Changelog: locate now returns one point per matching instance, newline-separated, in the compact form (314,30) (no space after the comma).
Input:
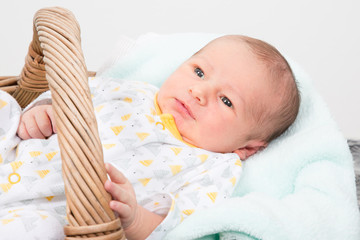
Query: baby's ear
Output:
(252,147)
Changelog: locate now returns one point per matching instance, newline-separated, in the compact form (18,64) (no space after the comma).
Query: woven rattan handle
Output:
(57,39)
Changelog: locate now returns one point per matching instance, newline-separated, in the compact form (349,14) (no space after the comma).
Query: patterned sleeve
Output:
(10,113)
(206,188)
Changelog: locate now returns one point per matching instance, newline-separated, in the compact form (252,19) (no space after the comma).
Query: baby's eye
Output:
(199,72)
(226,101)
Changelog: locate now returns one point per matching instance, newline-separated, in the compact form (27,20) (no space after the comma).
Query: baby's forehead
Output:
(220,43)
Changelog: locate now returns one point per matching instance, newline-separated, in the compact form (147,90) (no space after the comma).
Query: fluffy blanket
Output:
(302,186)
(355,151)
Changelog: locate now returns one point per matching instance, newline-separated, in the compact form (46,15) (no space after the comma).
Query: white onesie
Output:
(170,177)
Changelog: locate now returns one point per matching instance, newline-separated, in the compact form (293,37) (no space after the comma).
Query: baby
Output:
(225,103)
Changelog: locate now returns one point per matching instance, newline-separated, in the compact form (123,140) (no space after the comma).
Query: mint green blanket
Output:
(300,187)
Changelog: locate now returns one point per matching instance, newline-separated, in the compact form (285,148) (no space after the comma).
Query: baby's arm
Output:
(137,222)
(37,122)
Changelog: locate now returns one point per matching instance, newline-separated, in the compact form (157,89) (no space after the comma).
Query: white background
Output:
(323,36)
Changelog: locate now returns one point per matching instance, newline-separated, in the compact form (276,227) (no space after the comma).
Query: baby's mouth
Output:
(184,108)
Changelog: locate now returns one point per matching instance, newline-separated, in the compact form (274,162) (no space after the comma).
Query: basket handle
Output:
(57,51)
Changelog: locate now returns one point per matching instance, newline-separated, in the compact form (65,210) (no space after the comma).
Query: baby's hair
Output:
(272,122)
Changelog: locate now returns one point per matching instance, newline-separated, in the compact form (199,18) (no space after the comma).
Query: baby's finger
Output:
(117,192)
(122,209)
(32,128)
(44,123)
(50,113)
(115,175)
(22,132)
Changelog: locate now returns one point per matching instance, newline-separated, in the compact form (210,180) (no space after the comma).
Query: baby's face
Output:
(211,95)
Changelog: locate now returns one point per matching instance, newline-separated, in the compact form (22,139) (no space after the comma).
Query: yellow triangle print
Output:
(5,186)
(49,198)
(127,99)
(181,218)
(35,153)
(42,173)
(150,119)
(116,89)
(144,181)
(212,196)
(203,157)
(126,117)
(15,210)
(15,165)
(109,145)
(146,163)
(1,159)
(117,129)
(50,155)
(233,181)
(172,207)
(98,108)
(43,216)
(176,150)
(153,111)
(188,212)
(140,90)
(185,184)
(142,136)
(175,169)
(2,103)
(6,221)
(238,163)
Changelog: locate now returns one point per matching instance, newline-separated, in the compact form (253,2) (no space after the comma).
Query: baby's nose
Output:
(199,94)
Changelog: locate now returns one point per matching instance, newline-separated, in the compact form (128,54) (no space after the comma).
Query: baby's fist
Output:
(37,122)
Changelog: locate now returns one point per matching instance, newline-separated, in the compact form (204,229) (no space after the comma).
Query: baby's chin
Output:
(187,140)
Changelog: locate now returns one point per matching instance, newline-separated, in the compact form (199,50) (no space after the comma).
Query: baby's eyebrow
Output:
(204,62)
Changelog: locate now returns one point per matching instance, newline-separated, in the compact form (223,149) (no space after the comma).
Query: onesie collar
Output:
(169,122)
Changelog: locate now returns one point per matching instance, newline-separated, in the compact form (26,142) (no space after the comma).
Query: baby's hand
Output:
(138,222)
(37,122)
(124,199)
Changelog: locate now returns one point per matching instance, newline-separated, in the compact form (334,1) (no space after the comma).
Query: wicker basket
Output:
(55,61)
